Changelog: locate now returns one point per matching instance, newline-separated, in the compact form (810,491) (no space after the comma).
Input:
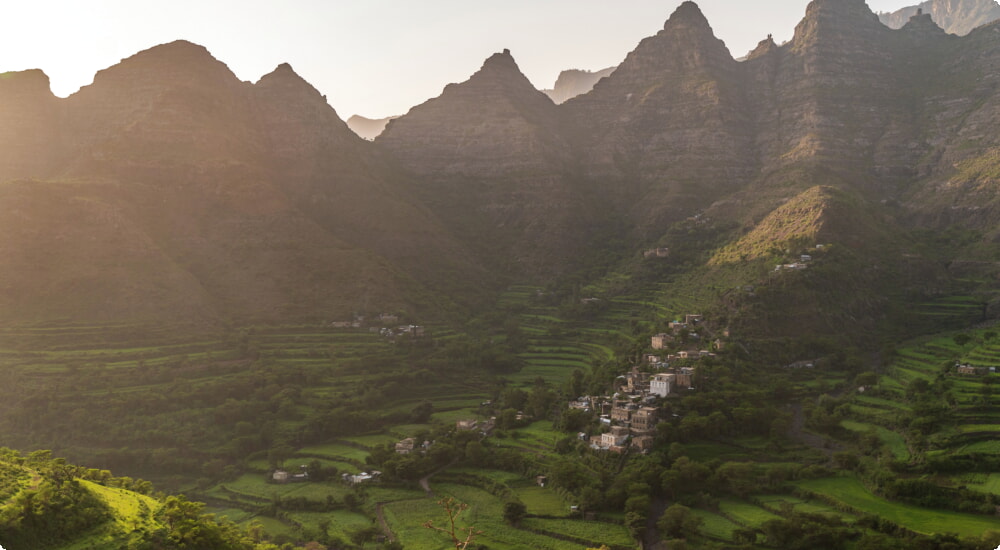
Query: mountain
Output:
(669,128)
(681,129)
(368,128)
(575,82)
(954,16)
(491,158)
(169,191)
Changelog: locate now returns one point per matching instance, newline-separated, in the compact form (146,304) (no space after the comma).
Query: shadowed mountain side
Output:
(29,132)
(492,162)
(669,128)
(228,201)
(348,187)
(133,253)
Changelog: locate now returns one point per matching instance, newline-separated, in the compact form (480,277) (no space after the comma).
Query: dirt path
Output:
(381,521)
(425,482)
(818,442)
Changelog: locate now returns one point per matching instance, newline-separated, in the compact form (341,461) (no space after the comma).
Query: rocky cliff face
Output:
(954,16)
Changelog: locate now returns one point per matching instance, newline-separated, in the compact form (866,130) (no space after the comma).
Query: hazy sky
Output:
(369,57)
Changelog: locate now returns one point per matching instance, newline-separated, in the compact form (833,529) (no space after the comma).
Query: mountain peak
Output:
(688,13)
(832,20)
(175,63)
(922,22)
(503,61)
(763,48)
(286,75)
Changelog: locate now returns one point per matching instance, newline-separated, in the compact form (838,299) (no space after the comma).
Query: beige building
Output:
(644,419)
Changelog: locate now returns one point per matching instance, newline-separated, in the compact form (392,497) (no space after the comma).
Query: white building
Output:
(661,383)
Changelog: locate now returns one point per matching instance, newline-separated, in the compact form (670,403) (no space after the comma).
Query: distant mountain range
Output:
(954,16)
(368,128)
(168,190)
(575,82)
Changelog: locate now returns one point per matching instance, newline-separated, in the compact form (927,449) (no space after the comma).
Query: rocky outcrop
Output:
(575,82)
(954,16)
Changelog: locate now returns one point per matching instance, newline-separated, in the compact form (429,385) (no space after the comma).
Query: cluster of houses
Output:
(402,331)
(382,325)
(363,477)
(629,414)
(409,446)
(972,370)
(684,338)
(656,253)
(284,476)
(803,262)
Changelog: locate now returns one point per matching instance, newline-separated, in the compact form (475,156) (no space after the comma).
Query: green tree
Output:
(678,521)
(513,511)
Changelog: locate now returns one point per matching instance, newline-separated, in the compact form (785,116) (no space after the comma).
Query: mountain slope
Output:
(175,192)
(490,159)
(669,128)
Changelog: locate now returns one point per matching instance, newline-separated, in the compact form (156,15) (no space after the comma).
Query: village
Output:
(630,415)
(627,418)
(383,325)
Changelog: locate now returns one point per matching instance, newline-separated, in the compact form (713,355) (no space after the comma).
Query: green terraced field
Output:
(715,526)
(780,502)
(745,513)
(542,501)
(335,451)
(890,438)
(595,533)
(851,492)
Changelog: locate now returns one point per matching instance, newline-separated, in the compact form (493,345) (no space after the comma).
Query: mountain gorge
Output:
(170,190)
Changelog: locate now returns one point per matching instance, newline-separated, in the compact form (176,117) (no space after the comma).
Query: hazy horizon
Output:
(377,58)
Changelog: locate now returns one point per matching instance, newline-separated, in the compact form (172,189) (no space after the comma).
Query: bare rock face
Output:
(828,94)
(575,82)
(492,161)
(30,141)
(954,16)
(459,131)
(670,125)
